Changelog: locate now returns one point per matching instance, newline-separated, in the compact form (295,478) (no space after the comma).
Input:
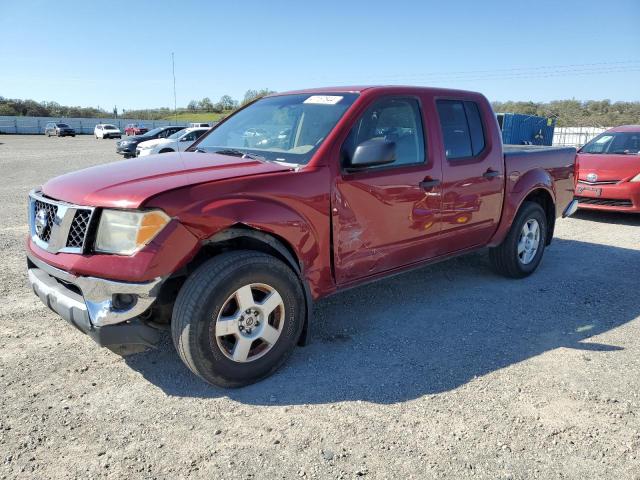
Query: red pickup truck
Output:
(292,198)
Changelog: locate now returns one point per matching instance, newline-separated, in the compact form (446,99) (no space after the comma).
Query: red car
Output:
(294,197)
(135,129)
(609,171)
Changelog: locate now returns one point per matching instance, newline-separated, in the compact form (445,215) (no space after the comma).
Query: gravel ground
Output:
(446,372)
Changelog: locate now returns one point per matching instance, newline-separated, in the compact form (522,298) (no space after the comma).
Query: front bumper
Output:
(144,152)
(619,197)
(126,149)
(95,306)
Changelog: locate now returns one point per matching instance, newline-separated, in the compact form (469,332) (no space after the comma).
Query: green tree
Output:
(251,95)
(227,103)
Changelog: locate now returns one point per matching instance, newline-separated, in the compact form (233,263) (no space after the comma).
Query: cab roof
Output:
(626,128)
(379,88)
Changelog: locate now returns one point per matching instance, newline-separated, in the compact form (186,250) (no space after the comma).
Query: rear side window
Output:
(462,129)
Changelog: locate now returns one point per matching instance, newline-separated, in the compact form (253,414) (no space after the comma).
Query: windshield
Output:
(285,128)
(63,125)
(110,127)
(152,133)
(622,143)
(178,134)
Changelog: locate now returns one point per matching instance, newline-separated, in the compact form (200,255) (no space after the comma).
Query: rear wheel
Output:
(238,317)
(521,251)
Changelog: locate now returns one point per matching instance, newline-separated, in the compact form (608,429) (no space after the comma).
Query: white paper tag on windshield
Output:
(323,99)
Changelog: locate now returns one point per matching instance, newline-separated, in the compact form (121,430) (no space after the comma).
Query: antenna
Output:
(173,69)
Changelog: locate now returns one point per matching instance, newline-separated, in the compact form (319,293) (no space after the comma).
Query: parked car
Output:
(59,130)
(127,146)
(135,129)
(178,142)
(609,171)
(230,243)
(196,125)
(106,130)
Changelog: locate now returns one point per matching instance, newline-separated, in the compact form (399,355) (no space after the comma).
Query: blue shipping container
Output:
(519,129)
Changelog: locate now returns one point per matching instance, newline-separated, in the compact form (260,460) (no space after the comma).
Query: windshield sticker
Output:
(323,99)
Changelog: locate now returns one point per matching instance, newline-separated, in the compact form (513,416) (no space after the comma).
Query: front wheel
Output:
(238,317)
(521,251)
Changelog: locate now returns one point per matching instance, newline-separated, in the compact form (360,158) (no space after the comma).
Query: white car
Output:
(106,130)
(178,142)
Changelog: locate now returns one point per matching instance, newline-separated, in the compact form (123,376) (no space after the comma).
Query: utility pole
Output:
(175,104)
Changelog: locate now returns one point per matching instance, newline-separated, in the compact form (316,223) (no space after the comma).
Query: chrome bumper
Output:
(101,302)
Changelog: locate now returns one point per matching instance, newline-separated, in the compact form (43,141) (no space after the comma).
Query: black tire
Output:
(203,296)
(166,150)
(505,259)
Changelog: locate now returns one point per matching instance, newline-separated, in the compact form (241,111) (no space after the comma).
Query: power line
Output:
(600,68)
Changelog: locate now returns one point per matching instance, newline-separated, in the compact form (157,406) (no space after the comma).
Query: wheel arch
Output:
(245,237)
(535,185)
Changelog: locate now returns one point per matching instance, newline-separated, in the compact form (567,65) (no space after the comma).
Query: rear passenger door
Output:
(472,172)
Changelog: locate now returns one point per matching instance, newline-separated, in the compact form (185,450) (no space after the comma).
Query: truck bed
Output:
(555,167)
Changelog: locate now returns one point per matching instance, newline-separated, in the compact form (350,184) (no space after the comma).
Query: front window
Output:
(154,132)
(177,135)
(620,143)
(283,128)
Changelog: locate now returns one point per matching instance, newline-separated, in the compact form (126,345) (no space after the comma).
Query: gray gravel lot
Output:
(445,372)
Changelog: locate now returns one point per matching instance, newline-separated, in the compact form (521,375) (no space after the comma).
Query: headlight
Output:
(125,232)
(636,178)
(125,142)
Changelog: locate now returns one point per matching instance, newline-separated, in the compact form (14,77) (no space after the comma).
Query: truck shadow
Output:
(435,329)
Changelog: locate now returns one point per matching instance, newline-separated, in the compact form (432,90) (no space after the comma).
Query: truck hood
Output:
(608,167)
(128,183)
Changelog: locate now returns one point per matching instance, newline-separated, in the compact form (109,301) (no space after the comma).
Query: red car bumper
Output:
(619,197)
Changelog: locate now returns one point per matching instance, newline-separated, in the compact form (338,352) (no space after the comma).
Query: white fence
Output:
(575,136)
(34,125)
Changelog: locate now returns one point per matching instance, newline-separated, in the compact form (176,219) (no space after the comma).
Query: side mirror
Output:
(373,152)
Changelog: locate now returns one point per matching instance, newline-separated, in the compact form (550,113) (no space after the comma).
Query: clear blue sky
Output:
(119,53)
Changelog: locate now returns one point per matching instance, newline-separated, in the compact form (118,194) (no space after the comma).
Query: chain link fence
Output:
(575,136)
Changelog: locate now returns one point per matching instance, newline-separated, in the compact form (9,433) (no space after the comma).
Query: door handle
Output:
(429,184)
(490,173)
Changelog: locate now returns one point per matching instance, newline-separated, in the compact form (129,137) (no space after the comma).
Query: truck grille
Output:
(50,210)
(79,228)
(607,202)
(58,226)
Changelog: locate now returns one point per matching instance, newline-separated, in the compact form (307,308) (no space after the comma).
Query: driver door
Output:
(387,216)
